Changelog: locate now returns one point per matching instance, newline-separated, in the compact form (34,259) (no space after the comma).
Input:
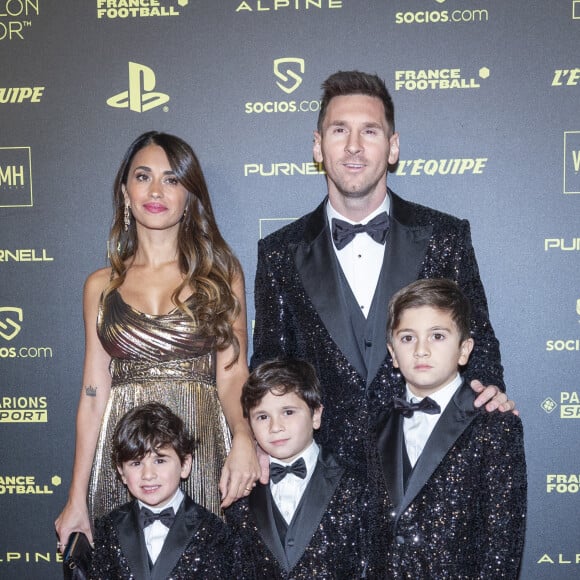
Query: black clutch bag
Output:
(77,557)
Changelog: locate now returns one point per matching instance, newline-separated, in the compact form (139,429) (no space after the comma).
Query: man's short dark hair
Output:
(354,82)
(147,428)
(439,293)
(279,377)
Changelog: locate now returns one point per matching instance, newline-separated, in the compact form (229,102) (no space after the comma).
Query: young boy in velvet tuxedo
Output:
(451,480)
(162,533)
(309,521)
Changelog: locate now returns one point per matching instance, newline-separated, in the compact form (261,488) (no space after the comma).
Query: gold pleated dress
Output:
(159,358)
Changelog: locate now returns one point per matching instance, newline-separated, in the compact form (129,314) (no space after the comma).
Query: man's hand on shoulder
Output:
(491,398)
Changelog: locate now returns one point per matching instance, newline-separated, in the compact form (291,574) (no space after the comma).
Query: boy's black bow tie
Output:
(278,472)
(407,409)
(147,517)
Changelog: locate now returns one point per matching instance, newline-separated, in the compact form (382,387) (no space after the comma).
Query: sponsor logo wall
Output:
(486,101)
(17,17)
(15,177)
(140,96)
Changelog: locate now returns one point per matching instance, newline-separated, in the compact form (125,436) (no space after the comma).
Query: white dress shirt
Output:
(418,428)
(288,492)
(362,259)
(156,533)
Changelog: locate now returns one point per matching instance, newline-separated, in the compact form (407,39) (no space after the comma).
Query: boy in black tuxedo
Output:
(162,533)
(309,521)
(455,477)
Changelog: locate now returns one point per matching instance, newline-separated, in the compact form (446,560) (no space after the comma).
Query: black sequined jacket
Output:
(198,545)
(327,538)
(300,312)
(461,513)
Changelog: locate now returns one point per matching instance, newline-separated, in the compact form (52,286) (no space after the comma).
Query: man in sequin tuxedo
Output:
(310,520)
(322,287)
(450,480)
(162,533)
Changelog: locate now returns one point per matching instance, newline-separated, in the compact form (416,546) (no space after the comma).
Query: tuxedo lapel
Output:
(186,522)
(319,271)
(313,505)
(390,441)
(132,542)
(260,505)
(455,419)
(406,248)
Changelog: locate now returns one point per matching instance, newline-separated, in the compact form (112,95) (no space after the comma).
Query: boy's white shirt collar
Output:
(174,502)
(442,396)
(418,428)
(288,492)
(310,456)
(156,533)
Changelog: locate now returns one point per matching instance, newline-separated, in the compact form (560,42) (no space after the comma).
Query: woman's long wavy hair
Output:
(205,259)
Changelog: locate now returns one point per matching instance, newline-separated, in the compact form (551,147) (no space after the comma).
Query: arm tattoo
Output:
(90,391)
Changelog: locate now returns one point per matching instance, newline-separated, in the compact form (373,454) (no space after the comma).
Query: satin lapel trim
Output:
(459,413)
(318,267)
(260,505)
(390,443)
(186,522)
(312,507)
(132,543)
(404,255)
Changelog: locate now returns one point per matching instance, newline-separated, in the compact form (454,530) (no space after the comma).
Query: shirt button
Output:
(400,540)
(368,343)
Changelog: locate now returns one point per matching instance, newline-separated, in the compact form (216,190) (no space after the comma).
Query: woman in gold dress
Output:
(166,322)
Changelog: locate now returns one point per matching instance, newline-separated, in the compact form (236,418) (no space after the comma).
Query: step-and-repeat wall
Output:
(487,98)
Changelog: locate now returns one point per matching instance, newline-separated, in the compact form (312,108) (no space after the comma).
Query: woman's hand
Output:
(73,518)
(241,469)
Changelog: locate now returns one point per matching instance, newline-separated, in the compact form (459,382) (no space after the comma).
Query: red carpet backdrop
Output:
(487,98)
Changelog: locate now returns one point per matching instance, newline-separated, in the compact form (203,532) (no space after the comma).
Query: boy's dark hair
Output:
(439,293)
(354,82)
(146,428)
(279,377)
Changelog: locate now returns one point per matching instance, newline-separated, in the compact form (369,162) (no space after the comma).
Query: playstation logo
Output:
(140,97)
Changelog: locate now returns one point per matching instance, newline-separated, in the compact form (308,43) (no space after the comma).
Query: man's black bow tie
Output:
(343,232)
(147,517)
(279,472)
(407,409)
